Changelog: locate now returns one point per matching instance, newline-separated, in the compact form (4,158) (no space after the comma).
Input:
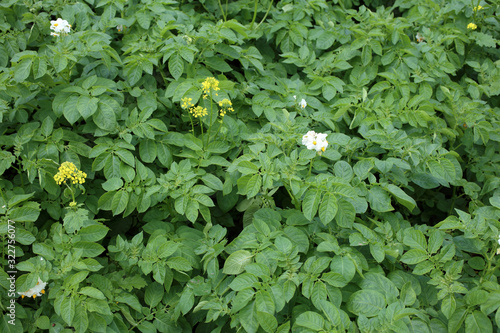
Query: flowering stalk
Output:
(69,171)
(210,121)
(209,86)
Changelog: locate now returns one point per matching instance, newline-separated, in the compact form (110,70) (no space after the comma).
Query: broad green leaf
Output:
(311,320)
(310,203)
(236,262)
(112,184)
(267,321)
(328,208)
(415,239)
(22,69)
(414,256)
(27,213)
(147,150)
(401,197)
(68,309)
(366,302)
(379,199)
(120,201)
(345,214)
(92,292)
(176,65)
(93,233)
(478,322)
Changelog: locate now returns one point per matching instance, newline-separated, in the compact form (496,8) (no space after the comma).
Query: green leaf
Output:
(120,201)
(414,256)
(236,262)
(92,292)
(218,64)
(311,320)
(310,203)
(70,110)
(154,294)
(147,151)
(87,106)
(328,208)
(176,65)
(93,233)
(186,301)
(112,184)
(179,264)
(345,214)
(105,117)
(27,213)
(366,302)
(89,249)
(243,281)
(22,69)
(478,322)
(379,199)
(267,321)
(415,239)
(68,309)
(401,197)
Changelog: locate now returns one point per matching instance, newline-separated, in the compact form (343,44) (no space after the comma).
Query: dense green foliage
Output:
(229,224)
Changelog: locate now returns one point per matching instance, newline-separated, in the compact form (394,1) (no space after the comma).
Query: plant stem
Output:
(210,121)
(310,167)
(265,15)
(256,2)
(222,10)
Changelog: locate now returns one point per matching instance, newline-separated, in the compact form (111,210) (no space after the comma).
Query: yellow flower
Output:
(186,103)
(210,84)
(198,111)
(68,170)
(225,106)
(472,26)
(478,8)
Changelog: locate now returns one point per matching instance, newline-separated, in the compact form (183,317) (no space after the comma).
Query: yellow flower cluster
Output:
(210,84)
(186,103)
(225,106)
(472,26)
(478,8)
(68,170)
(198,111)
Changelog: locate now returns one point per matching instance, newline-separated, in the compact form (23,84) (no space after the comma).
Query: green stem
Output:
(71,190)
(222,11)
(310,167)
(296,202)
(192,124)
(265,15)
(202,138)
(254,13)
(210,121)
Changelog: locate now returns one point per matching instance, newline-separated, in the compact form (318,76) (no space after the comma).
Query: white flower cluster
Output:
(315,141)
(302,103)
(59,26)
(37,290)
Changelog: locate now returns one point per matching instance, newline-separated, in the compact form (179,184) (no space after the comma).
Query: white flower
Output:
(294,96)
(54,34)
(315,141)
(303,103)
(119,27)
(420,38)
(37,290)
(59,26)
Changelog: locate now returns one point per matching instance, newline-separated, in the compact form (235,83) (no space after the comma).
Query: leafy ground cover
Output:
(249,166)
